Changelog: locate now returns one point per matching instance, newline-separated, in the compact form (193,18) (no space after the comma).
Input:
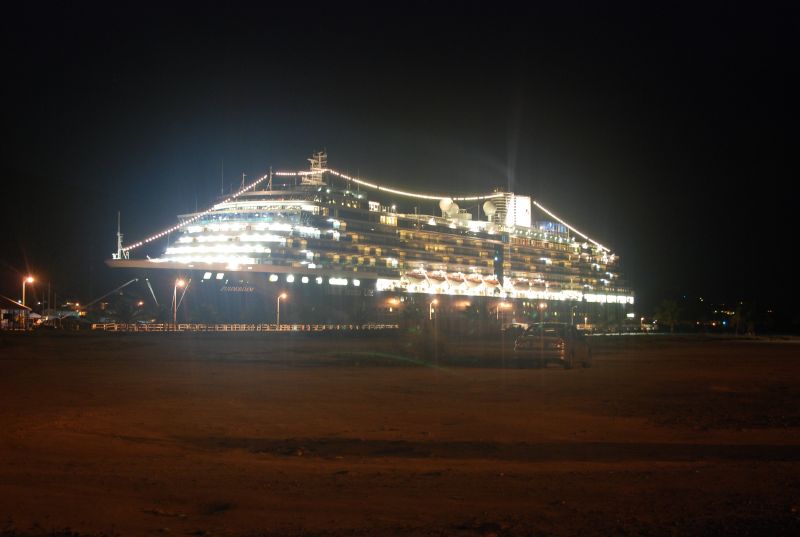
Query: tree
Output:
(668,313)
(743,318)
(411,316)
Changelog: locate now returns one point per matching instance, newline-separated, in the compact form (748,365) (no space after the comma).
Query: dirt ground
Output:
(231,434)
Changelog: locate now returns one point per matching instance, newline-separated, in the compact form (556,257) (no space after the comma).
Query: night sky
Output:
(667,133)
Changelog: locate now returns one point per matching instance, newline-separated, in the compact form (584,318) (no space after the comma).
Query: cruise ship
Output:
(346,248)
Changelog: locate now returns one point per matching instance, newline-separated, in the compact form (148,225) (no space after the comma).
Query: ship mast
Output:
(319,163)
(121,254)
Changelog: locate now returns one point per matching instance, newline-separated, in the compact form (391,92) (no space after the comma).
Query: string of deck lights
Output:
(430,197)
(194,218)
(560,221)
(354,180)
(387,189)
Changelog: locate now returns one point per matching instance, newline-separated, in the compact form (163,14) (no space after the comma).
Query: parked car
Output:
(513,330)
(558,343)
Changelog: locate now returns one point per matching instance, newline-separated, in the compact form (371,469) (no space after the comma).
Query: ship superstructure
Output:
(322,227)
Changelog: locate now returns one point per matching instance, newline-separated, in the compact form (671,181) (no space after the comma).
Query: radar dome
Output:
(489,208)
(453,209)
(445,203)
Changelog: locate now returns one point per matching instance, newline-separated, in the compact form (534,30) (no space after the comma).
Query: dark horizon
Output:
(664,135)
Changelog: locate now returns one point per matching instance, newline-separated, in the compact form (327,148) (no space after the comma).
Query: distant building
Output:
(12,314)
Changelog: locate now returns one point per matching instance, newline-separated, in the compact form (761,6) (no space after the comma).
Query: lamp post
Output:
(25,281)
(278,311)
(501,306)
(178,283)
(542,308)
(393,304)
(431,310)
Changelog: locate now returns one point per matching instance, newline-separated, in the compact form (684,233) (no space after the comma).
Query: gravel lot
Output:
(252,434)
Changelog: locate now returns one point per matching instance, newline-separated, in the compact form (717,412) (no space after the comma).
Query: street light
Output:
(278,311)
(25,281)
(542,307)
(431,310)
(501,305)
(178,283)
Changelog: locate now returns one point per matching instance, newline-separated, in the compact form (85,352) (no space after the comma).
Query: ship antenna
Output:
(121,254)
(269,184)
(222,179)
(319,162)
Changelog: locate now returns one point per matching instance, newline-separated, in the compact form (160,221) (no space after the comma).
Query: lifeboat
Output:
(474,280)
(417,275)
(437,276)
(553,287)
(521,284)
(491,281)
(455,278)
(538,286)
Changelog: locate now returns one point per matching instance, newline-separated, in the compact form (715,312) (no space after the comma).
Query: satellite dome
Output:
(453,209)
(445,203)
(489,208)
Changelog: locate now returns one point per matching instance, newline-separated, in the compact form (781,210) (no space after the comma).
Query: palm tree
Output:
(668,313)
(743,318)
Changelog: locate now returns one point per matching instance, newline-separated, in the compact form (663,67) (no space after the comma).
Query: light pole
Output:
(25,281)
(431,311)
(178,283)
(501,306)
(542,308)
(278,311)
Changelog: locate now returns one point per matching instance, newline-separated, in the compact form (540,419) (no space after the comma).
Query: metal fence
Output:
(194,327)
